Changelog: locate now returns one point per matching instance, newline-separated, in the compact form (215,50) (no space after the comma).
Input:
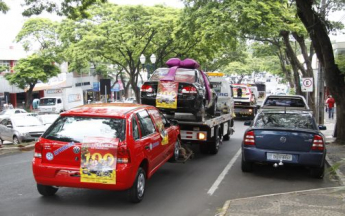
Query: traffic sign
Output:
(307,84)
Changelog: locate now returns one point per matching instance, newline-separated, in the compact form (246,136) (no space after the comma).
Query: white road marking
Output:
(223,174)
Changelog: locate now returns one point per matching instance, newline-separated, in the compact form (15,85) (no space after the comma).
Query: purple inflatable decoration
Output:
(171,74)
(189,63)
(173,62)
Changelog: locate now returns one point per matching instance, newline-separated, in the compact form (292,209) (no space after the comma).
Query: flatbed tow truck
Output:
(208,134)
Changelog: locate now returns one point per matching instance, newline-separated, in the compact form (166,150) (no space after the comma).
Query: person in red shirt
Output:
(330,103)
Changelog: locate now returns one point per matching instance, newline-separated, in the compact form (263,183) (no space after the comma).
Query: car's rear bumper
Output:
(68,177)
(186,105)
(312,159)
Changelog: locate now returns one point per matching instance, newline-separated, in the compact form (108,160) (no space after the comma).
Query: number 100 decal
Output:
(98,160)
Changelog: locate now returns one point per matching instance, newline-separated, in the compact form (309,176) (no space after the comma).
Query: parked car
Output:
(10,112)
(288,101)
(20,128)
(282,137)
(189,87)
(105,146)
(47,119)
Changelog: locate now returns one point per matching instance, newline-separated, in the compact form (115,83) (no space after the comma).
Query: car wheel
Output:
(15,140)
(246,166)
(45,190)
(317,172)
(176,154)
(137,191)
(200,116)
(213,109)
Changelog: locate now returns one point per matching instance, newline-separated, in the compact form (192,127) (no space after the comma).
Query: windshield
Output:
(26,121)
(47,101)
(285,102)
(75,129)
(285,120)
(182,75)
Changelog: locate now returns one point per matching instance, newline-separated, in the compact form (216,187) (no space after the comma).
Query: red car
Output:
(105,146)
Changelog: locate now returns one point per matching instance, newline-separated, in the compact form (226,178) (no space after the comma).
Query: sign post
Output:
(307,85)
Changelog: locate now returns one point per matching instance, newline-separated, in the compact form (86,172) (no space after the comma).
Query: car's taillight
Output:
(318,143)
(189,90)
(249,138)
(146,88)
(123,156)
(38,150)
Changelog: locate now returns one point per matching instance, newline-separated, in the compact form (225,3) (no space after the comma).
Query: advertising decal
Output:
(167,95)
(98,160)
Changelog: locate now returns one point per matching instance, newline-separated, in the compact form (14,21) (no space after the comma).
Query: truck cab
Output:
(50,105)
(220,85)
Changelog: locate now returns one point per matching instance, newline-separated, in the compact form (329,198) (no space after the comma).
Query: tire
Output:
(137,191)
(214,146)
(176,154)
(317,172)
(213,109)
(45,190)
(203,148)
(16,140)
(246,166)
(200,116)
(226,137)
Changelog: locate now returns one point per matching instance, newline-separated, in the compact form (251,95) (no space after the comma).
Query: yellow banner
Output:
(167,95)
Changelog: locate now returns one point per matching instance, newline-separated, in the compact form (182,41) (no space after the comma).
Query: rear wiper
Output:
(64,139)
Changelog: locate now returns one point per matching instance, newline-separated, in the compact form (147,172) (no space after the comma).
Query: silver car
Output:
(10,112)
(20,128)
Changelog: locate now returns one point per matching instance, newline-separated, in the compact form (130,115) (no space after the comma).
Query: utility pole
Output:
(321,96)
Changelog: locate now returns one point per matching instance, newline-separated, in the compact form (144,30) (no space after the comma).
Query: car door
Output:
(6,132)
(3,129)
(150,139)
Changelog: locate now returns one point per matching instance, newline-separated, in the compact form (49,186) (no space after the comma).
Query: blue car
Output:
(284,137)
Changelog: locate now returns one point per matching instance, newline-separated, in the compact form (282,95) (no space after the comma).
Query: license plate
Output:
(280,157)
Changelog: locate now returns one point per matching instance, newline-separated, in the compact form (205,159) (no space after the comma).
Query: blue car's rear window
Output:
(285,120)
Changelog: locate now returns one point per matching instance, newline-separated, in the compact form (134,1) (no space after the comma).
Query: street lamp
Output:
(149,67)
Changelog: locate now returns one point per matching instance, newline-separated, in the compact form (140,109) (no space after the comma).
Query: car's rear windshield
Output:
(72,128)
(182,75)
(285,102)
(285,120)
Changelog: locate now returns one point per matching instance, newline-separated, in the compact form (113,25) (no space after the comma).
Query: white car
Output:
(10,112)
(48,119)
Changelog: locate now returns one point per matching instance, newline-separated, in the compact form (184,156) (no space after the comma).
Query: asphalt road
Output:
(198,187)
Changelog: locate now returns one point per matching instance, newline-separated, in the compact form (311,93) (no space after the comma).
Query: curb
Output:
(8,150)
(339,174)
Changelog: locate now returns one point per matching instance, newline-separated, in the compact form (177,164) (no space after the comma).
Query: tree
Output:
(3,7)
(318,33)
(71,8)
(29,71)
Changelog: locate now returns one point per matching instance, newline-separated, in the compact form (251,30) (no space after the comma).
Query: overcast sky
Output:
(12,21)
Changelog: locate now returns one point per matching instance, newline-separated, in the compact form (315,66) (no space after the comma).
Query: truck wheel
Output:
(203,148)
(246,166)
(214,146)
(226,137)
(137,191)
(45,190)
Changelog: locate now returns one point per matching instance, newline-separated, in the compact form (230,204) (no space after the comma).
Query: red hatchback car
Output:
(105,146)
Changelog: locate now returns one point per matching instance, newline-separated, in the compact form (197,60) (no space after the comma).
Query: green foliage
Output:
(73,9)
(30,70)
(3,7)
(3,68)
(340,61)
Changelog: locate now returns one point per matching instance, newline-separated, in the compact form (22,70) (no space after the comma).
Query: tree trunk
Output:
(285,70)
(28,100)
(324,51)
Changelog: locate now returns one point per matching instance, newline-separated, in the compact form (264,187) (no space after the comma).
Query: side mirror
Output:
(322,127)
(247,123)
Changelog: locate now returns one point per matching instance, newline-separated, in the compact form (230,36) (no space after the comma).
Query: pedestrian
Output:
(330,104)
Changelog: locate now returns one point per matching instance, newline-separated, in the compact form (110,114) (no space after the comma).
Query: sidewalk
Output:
(317,202)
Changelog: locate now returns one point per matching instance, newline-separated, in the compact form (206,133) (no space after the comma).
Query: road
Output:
(198,187)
